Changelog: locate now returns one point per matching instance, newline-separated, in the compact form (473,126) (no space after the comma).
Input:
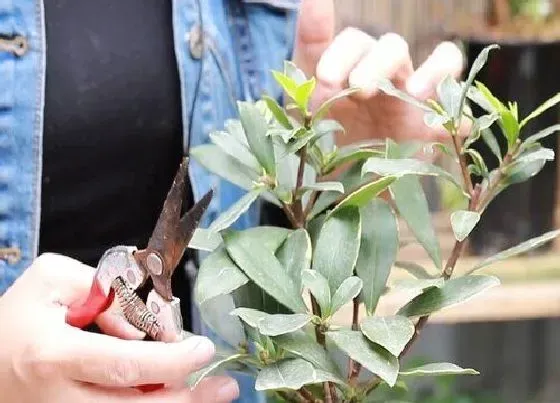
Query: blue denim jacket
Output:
(225,50)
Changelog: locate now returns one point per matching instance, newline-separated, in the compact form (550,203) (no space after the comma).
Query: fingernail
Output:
(228,391)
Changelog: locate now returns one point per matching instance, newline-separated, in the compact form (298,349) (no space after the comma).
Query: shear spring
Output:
(134,309)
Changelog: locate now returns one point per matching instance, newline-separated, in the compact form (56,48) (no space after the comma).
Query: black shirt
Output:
(113,132)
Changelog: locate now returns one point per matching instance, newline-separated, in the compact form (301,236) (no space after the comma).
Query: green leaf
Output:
(417,286)
(492,143)
(270,238)
(324,108)
(437,369)
(295,255)
(203,239)
(220,364)
(435,120)
(414,269)
(294,73)
(463,222)
(349,154)
(278,112)
(390,332)
(235,211)
(255,126)
(450,95)
(405,166)
(327,126)
(518,249)
(528,165)
(319,288)
(378,249)
(231,146)
(288,84)
(219,163)
(217,275)
(385,85)
(453,292)
(549,103)
(235,129)
(476,66)
(215,314)
(304,92)
(529,141)
(261,266)
(478,162)
(291,374)
(324,187)
(337,247)
(413,207)
(306,347)
(366,193)
(348,290)
(374,358)
(272,325)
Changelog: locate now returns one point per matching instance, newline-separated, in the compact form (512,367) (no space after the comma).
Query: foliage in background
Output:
(272,292)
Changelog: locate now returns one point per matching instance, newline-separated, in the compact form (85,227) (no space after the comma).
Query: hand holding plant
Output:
(275,290)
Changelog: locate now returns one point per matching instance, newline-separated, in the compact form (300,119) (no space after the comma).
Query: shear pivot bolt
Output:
(155,307)
(155,265)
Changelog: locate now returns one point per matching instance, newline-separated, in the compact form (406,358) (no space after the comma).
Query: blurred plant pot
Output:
(526,72)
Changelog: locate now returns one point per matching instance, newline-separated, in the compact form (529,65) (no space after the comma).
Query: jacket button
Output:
(196,42)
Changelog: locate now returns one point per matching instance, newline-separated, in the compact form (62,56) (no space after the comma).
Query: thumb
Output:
(314,33)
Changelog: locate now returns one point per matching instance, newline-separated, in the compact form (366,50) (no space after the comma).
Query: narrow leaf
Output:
(366,193)
(337,247)
(327,126)
(235,211)
(291,374)
(518,249)
(294,72)
(231,146)
(324,108)
(219,163)
(414,269)
(453,292)
(417,286)
(278,112)
(255,126)
(549,103)
(387,87)
(378,249)
(319,288)
(463,222)
(476,66)
(220,364)
(325,187)
(287,83)
(264,269)
(203,239)
(437,369)
(376,359)
(539,135)
(272,325)
(303,93)
(390,332)
(450,95)
(295,255)
(217,275)
(348,290)
(492,143)
(350,154)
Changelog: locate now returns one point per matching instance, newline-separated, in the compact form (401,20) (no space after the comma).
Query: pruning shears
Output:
(123,269)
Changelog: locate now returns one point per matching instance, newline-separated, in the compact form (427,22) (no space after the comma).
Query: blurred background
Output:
(512,335)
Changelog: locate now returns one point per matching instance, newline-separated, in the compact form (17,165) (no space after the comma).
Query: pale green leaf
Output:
(291,374)
(215,315)
(205,240)
(492,143)
(454,291)
(549,103)
(518,249)
(304,92)
(390,332)
(295,255)
(350,154)
(278,112)
(324,108)
(416,285)
(435,120)
(272,325)
(217,275)
(288,84)
(414,269)
(365,193)
(476,66)
(219,163)
(529,141)
(373,357)
(255,126)
(450,93)
(319,288)
(348,290)
(218,365)
(463,222)
(327,126)
(385,85)
(231,146)
(337,247)
(235,211)
(438,369)
(378,249)
(294,72)
(235,129)
(261,266)
(269,237)
(324,187)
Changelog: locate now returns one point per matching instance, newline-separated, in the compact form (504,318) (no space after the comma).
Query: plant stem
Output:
(307,395)
(290,214)
(354,367)
(299,181)
(310,203)
(463,163)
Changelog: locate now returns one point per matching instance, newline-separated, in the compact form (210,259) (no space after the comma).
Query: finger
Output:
(105,360)
(314,32)
(113,324)
(446,59)
(389,58)
(215,389)
(338,60)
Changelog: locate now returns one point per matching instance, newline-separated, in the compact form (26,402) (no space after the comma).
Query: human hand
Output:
(354,58)
(43,360)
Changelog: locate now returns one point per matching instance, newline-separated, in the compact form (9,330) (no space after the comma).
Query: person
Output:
(98,103)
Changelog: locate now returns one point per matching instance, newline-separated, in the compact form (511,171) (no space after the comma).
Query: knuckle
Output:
(123,372)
